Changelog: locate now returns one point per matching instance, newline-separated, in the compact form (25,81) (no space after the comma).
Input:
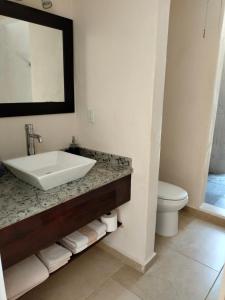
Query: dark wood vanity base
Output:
(28,236)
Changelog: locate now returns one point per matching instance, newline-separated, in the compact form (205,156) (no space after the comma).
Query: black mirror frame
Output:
(25,13)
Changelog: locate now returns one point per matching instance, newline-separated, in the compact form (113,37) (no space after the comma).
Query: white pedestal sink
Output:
(50,169)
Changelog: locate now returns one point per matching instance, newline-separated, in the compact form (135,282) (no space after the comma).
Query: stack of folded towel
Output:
(54,257)
(84,237)
(24,276)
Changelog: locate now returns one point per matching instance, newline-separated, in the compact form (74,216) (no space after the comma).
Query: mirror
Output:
(36,62)
(31,57)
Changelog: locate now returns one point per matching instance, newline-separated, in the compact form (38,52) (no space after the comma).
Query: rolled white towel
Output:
(54,255)
(24,276)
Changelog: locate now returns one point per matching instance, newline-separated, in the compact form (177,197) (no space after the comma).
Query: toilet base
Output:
(167,223)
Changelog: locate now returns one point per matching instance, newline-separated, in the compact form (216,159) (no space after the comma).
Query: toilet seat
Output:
(171,205)
(170,192)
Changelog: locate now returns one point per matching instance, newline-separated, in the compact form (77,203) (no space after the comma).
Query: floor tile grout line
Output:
(145,274)
(124,286)
(197,261)
(187,256)
(214,283)
(104,281)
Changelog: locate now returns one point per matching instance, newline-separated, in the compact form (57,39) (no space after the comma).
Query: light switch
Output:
(91,116)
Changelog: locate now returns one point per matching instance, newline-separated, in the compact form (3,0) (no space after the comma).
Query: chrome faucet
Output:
(30,137)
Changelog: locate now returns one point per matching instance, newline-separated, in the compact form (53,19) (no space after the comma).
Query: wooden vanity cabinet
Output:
(28,236)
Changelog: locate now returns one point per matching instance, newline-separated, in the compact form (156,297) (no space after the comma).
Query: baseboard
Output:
(127,260)
(205,216)
(149,263)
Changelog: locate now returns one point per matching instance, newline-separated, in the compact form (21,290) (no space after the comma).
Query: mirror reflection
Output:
(31,56)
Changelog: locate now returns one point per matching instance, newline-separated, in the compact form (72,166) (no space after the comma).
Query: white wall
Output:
(189,94)
(121,79)
(55,129)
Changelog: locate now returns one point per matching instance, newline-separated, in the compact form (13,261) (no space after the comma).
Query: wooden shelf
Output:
(107,234)
(75,256)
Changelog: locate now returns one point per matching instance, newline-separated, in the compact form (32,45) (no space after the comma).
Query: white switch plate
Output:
(91,116)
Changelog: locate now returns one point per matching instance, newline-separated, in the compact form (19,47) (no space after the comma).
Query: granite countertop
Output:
(19,200)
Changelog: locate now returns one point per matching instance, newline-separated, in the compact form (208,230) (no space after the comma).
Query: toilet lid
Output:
(169,191)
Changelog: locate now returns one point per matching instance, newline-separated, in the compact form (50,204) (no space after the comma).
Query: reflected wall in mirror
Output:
(36,62)
(31,56)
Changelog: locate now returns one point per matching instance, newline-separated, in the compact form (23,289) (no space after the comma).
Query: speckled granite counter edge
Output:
(103,157)
(19,200)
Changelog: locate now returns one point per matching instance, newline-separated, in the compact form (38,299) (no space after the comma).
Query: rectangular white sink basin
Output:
(50,169)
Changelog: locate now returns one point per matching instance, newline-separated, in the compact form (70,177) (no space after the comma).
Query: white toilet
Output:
(171,199)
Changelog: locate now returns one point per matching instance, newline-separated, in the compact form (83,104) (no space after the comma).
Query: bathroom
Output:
(119,94)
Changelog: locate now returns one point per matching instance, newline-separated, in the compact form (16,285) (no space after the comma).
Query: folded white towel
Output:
(56,267)
(54,255)
(24,292)
(98,227)
(77,239)
(80,240)
(60,263)
(25,275)
(70,246)
(75,249)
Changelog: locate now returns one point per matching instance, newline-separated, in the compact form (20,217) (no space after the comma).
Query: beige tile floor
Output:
(188,267)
